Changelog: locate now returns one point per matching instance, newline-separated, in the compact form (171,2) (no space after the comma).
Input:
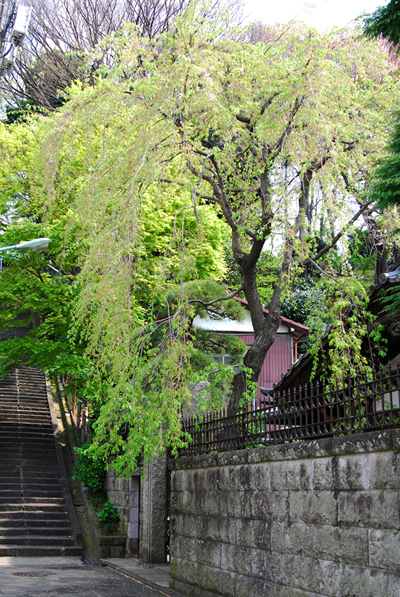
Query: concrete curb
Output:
(141,578)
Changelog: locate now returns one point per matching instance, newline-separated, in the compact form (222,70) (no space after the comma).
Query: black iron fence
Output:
(369,401)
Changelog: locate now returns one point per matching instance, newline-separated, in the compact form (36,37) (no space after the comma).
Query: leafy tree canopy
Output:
(385,22)
(190,140)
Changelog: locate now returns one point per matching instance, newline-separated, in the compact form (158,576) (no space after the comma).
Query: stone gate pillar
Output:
(154,512)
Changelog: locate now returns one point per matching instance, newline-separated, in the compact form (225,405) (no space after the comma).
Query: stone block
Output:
(134,497)
(384,549)
(180,481)
(245,532)
(184,548)
(189,525)
(208,552)
(321,542)
(133,530)
(249,477)
(348,545)
(254,587)
(237,504)
(226,529)
(261,564)
(356,582)
(262,535)
(199,480)
(220,582)
(253,533)
(326,474)
(184,570)
(214,528)
(313,507)
(318,576)
(261,477)
(347,472)
(237,559)
(205,503)
(285,591)
(213,479)
(232,458)
(376,509)
(385,584)
(271,505)
(185,502)
(281,539)
(189,590)
(227,478)
(294,475)
(243,478)
(384,470)
(281,568)
(134,515)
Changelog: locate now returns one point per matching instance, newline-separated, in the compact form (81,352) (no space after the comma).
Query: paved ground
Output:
(68,577)
(157,575)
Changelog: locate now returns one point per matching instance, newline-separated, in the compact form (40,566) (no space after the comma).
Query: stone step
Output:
(32,506)
(26,437)
(36,551)
(26,493)
(35,516)
(41,531)
(21,520)
(25,486)
(42,525)
(46,464)
(41,500)
(35,538)
(23,406)
(22,527)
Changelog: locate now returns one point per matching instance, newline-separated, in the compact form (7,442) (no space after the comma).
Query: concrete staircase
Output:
(33,515)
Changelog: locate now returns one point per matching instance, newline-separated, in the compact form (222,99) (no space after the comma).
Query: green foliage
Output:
(148,237)
(88,471)
(384,21)
(108,513)
(350,324)
(124,168)
(108,516)
(385,188)
(33,293)
(390,300)
(306,304)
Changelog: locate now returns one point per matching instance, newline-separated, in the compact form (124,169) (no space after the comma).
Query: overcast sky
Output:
(324,15)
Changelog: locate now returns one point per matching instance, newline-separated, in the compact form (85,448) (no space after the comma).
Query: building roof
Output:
(299,372)
(300,331)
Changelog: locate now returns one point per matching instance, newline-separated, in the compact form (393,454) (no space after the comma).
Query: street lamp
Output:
(35,245)
(14,23)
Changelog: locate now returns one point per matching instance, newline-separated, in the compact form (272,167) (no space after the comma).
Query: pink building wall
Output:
(277,361)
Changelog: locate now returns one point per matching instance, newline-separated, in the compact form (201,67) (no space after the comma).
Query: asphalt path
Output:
(86,581)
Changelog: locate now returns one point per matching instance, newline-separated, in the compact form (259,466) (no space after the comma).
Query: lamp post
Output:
(14,23)
(35,245)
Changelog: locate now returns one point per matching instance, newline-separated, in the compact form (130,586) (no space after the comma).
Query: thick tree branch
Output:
(209,303)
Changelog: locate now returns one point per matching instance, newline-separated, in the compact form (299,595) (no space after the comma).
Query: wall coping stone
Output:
(373,441)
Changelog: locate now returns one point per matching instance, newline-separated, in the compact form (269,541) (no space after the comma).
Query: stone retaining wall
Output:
(307,519)
(125,495)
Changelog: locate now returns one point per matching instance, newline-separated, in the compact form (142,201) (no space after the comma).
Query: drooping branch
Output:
(339,234)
